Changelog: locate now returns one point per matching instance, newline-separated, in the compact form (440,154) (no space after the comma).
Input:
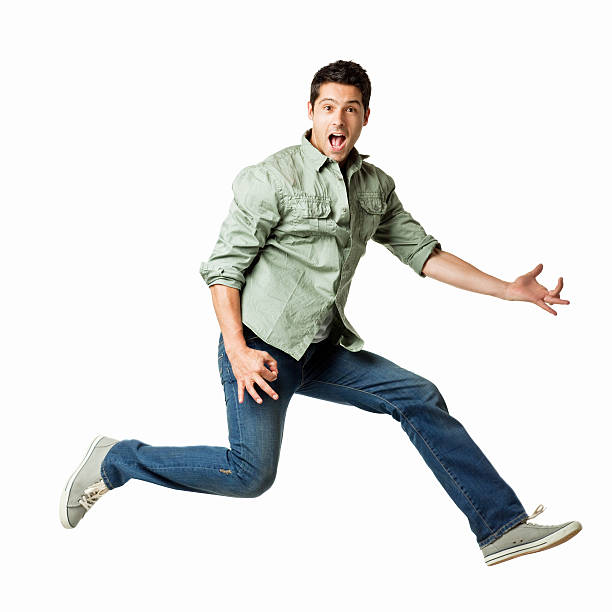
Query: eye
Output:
(350,108)
(327,106)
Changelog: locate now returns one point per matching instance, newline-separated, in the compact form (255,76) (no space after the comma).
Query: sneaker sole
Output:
(63,509)
(550,541)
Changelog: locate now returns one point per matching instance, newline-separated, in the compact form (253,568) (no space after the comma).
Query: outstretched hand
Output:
(527,289)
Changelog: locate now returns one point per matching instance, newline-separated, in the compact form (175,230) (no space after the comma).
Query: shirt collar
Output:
(316,159)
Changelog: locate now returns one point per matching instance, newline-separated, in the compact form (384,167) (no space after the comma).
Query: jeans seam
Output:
(234,390)
(181,467)
(451,475)
(105,477)
(235,398)
(135,464)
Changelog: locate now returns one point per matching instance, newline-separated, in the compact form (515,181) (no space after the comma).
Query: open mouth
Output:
(337,141)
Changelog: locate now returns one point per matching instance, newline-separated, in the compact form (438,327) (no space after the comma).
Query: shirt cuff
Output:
(418,259)
(221,276)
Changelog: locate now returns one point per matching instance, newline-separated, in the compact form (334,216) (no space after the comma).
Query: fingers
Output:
(557,290)
(259,376)
(271,362)
(264,386)
(268,374)
(543,305)
(272,372)
(553,294)
(536,270)
(555,300)
(251,389)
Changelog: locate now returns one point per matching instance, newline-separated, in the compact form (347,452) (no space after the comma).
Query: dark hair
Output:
(345,72)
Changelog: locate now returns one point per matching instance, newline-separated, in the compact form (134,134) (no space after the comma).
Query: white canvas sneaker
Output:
(527,538)
(85,487)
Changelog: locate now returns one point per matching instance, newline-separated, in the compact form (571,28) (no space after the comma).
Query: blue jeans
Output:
(330,372)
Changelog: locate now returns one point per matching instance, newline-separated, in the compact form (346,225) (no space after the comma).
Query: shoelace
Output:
(92,494)
(537,511)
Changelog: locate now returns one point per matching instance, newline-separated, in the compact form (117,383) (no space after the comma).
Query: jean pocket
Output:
(220,366)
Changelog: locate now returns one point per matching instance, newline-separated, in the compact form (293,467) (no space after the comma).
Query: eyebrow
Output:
(336,101)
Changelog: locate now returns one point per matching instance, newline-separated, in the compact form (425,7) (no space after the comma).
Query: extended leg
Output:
(375,384)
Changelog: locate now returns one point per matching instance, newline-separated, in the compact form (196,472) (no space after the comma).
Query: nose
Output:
(337,118)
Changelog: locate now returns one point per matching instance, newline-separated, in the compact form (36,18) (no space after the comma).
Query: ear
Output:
(366,117)
(309,110)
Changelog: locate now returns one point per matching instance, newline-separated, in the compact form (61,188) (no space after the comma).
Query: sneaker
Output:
(527,538)
(85,487)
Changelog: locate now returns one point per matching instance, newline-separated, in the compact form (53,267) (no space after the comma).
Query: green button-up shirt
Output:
(294,234)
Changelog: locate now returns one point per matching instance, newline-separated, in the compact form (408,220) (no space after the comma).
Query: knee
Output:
(427,394)
(259,483)
(431,394)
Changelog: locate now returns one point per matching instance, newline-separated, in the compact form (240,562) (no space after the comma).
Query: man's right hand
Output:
(249,367)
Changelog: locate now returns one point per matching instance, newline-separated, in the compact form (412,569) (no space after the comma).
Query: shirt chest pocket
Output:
(372,207)
(309,214)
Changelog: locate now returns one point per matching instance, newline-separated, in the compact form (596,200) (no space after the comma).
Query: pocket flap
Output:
(373,204)
(312,206)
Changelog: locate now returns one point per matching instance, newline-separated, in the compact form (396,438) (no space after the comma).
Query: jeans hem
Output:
(104,475)
(500,532)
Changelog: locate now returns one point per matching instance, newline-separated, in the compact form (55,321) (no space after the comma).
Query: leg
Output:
(373,383)
(247,469)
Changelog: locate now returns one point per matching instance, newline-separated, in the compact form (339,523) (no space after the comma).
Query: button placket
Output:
(343,197)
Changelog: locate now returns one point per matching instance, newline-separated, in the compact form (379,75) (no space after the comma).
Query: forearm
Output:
(448,268)
(226,301)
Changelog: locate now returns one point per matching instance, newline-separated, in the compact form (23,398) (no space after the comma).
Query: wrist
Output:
(235,347)
(504,292)
(234,341)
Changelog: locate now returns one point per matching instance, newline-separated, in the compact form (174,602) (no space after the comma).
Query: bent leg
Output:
(246,469)
(376,384)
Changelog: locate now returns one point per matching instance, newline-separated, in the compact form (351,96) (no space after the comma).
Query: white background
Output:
(123,125)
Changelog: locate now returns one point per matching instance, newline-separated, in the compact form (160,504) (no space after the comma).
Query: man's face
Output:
(338,109)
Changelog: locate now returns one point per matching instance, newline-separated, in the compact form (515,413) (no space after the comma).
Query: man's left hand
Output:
(527,289)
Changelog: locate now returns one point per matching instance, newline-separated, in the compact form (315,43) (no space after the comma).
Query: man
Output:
(279,275)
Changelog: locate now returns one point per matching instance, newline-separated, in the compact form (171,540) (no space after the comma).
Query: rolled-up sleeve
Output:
(403,235)
(252,214)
